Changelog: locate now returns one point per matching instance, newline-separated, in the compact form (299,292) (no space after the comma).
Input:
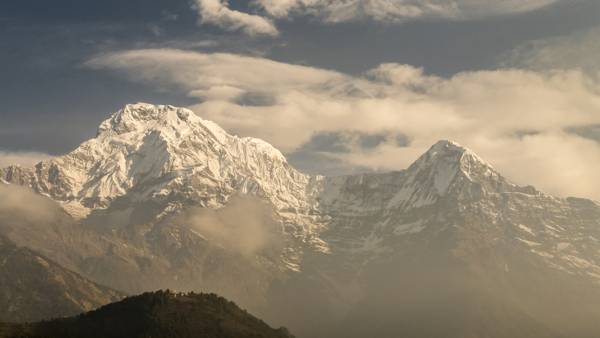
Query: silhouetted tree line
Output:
(158,314)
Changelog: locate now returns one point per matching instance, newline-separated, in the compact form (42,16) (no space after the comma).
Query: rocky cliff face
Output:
(150,151)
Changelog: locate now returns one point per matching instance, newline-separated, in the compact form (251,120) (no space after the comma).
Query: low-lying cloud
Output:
(25,159)
(245,225)
(524,122)
(20,205)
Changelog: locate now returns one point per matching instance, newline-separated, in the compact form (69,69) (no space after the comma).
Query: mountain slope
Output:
(450,190)
(131,188)
(450,240)
(151,151)
(158,314)
(162,198)
(33,287)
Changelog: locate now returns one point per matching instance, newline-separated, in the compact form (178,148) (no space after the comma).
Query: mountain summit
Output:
(161,198)
(150,151)
(448,163)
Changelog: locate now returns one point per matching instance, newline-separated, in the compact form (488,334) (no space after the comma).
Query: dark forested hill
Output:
(159,314)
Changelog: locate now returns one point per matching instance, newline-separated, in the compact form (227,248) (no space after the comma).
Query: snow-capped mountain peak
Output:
(446,162)
(141,117)
(451,153)
(174,125)
(155,150)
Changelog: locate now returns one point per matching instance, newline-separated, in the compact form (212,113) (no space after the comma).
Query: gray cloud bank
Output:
(398,10)
(580,50)
(219,13)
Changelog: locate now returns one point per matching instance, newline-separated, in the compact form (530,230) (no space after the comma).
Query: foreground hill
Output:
(33,287)
(158,314)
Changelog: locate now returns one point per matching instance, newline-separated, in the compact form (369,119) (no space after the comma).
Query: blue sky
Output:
(67,65)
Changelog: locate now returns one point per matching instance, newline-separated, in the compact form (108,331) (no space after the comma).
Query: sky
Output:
(340,86)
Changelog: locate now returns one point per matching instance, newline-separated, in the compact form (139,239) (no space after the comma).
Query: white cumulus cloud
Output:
(519,120)
(217,12)
(213,76)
